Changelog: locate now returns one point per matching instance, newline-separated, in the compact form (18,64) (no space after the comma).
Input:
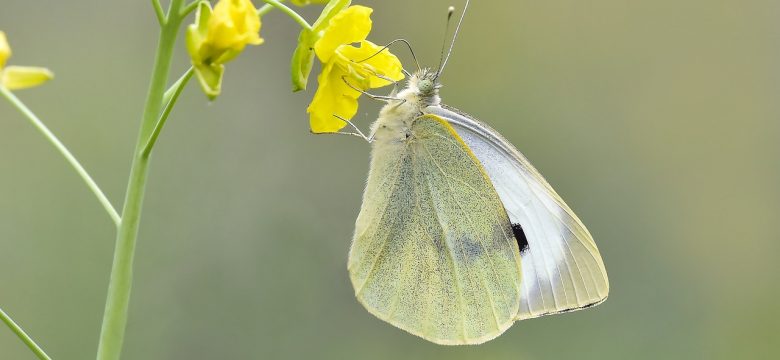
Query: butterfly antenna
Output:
(450,11)
(391,44)
(454,37)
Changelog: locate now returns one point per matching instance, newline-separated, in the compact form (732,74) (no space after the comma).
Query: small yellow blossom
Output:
(233,25)
(19,77)
(218,36)
(345,66)
(308,2)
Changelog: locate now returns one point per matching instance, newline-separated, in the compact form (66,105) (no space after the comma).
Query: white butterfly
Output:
(459,235)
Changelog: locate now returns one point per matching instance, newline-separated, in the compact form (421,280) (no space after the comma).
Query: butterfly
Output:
(458,235)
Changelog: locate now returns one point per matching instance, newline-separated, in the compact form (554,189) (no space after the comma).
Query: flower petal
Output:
(349,26)
(22,77)
(234,24)
(383,63)
(333,97)
(5,50)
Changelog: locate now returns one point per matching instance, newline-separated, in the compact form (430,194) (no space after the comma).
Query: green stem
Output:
(290,12)
(115,315)
(38,124)
(23,336)
(177,89)
(265,9)
(186,10)
(158,10)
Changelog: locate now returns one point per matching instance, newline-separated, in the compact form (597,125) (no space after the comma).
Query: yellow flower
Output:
(308,2)
(19,77)
(218,36)
(345,67)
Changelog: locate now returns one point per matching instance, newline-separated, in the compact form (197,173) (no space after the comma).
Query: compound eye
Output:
(426,86)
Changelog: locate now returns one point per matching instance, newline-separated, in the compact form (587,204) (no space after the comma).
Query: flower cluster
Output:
(19,77)
(350,63)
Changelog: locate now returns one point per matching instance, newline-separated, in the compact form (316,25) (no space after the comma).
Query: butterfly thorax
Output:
(395,119)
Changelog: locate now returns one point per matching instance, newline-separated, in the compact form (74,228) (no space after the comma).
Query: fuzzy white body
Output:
(393,126)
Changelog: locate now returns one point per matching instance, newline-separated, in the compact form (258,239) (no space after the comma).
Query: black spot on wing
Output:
(522,242)
(472,249)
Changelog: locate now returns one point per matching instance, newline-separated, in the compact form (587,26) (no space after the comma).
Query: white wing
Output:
(562,268)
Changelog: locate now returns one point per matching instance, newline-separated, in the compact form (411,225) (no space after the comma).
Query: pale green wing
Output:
(562,268)
(433,252)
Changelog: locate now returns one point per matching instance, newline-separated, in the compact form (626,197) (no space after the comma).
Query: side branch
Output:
(171,95)
(26,339)
(289,12)
(38,124)
(158,10)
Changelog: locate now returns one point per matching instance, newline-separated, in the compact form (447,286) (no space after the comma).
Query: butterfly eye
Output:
(425,86)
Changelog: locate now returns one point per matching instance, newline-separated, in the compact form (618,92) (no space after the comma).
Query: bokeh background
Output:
(657,120)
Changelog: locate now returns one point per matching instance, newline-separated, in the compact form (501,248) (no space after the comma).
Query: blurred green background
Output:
(657,120)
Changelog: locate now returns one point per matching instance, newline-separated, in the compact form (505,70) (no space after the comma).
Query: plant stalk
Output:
(115,315)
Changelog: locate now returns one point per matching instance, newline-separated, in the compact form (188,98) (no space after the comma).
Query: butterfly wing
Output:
(433,251)
(562,268)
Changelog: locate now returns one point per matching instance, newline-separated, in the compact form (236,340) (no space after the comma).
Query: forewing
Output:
(562,268)
(433,251)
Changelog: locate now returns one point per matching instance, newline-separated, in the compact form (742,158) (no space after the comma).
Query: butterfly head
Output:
(426,84)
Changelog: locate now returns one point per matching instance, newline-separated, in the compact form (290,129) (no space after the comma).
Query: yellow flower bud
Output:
(5,50)
(233,25)
(218,36)
(19,77)
(22,77)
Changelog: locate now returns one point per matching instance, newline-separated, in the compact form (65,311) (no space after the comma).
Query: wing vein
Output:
(568,228)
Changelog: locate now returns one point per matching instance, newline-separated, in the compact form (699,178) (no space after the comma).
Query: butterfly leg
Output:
(358,133)
(339,133)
